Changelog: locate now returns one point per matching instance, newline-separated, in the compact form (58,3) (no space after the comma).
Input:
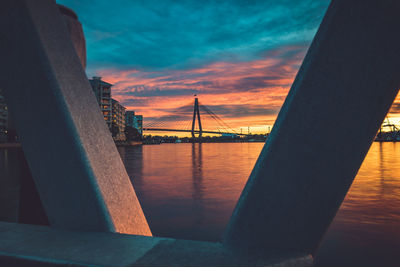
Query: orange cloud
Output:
(242,94)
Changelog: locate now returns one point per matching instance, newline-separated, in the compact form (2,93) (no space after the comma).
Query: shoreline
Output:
(10,145)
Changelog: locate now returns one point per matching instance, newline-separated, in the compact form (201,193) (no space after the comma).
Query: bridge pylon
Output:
(196,111)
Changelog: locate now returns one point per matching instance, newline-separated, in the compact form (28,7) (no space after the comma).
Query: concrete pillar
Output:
(79,174)
(343,90)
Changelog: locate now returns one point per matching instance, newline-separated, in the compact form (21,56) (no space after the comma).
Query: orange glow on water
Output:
(365,230)
(194,200)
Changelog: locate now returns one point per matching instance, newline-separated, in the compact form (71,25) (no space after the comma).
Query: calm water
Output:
(189,191)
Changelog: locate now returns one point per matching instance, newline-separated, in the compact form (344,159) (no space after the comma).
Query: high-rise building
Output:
(3,118)
(114,113)
(118,121)
(129,114)
(134,121)
(102,90)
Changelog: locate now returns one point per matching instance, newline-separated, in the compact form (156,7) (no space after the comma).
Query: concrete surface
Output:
(28,245)
(342,93)
(30,209)
(79,174)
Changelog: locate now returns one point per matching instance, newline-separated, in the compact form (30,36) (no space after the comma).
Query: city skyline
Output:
(239,58)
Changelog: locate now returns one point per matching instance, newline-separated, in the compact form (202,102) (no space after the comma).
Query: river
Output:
(189,191)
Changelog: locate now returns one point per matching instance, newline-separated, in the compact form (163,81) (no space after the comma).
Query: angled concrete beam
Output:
(79,174)
(31,245)
(344,89)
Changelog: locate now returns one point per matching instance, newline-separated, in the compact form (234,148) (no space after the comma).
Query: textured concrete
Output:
(29,209)
(76,167)
(344,89)
(27,245)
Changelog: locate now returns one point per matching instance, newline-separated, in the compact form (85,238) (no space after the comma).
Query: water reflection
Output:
(189,191)
(365,230)
(19,199)
(382,169)
(197,176)
(133,161)
(9,184)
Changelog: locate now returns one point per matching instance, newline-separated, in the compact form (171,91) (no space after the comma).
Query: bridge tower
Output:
(196,111)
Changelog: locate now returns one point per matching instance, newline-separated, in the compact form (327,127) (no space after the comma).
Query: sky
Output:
(239,57)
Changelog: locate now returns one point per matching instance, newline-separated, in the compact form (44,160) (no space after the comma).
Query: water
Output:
(366,230)
(189,191)
(10,173)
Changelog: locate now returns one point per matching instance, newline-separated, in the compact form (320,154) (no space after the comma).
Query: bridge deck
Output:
(189,131)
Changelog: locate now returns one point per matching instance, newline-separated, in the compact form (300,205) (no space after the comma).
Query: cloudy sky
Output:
(239,57)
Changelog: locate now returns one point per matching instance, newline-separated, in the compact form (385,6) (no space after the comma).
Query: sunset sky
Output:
(239,57)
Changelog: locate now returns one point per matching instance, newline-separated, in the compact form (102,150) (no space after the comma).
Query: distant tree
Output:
(114,129)
(132,134)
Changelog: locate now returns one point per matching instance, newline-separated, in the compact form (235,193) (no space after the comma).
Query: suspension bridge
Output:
(182,121)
